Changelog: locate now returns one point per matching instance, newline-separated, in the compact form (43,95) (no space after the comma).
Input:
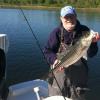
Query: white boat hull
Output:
(57,98)
(25,90)
(31,90)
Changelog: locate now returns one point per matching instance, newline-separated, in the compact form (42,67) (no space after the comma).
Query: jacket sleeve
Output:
(92,51)
(51,48)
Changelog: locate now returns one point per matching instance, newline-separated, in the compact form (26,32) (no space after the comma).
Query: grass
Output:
(43,7)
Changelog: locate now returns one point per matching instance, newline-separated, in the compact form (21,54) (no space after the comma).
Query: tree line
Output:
(77,3)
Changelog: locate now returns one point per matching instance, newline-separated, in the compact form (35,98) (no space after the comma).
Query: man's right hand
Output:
(55,64)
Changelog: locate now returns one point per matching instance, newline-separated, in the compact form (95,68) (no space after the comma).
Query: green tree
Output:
(77,3)
(34,1)
(50,1)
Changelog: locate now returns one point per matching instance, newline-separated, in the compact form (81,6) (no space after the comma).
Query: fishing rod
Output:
(31,29)
(37,41)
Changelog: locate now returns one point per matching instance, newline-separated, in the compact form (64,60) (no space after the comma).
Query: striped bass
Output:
(78,50)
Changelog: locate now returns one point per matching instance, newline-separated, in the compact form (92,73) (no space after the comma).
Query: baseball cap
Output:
(67,10)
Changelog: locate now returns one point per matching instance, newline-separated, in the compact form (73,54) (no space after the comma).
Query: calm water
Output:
(24,58)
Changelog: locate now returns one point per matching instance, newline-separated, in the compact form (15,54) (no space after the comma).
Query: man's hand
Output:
(55,64)
(96,37)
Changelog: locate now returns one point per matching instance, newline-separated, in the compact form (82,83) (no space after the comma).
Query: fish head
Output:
(87,38)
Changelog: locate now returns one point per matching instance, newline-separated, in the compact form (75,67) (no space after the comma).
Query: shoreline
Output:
(32,7)
(29,7)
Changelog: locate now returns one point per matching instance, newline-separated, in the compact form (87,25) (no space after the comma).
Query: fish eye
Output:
(86,33)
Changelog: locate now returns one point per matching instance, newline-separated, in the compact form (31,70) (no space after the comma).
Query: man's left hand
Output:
(96,37)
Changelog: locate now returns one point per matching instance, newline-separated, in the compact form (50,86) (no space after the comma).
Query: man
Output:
(71,81)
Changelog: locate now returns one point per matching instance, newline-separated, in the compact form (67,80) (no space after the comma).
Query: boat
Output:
(31,90)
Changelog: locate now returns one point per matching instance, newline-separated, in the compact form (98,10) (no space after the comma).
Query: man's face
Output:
(69,22)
